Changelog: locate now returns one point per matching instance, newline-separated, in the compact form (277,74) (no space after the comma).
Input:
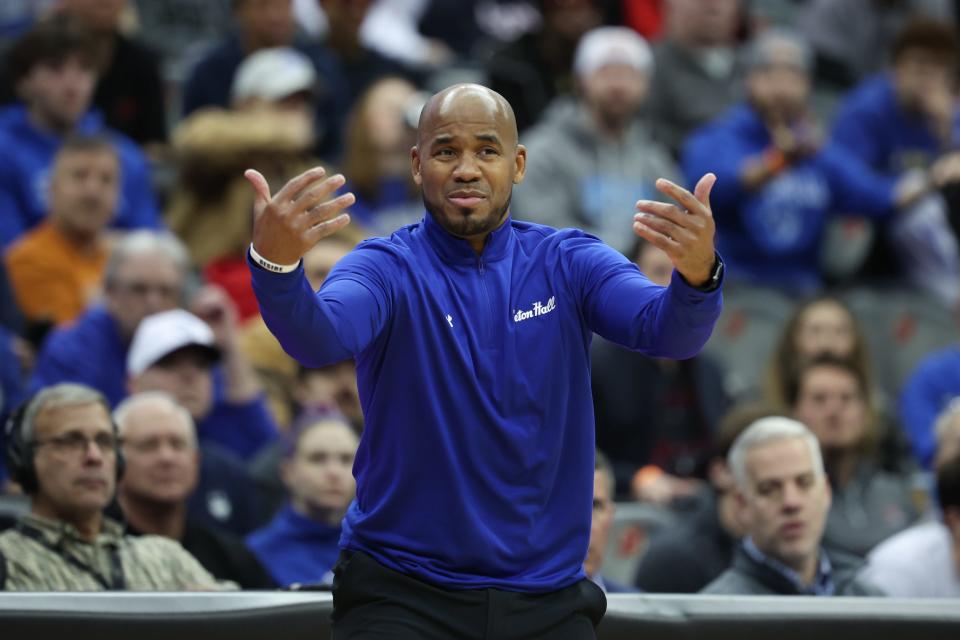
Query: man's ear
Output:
(415,165)
(951,518)
(520,164)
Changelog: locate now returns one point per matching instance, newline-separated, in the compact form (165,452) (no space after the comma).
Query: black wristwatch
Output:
(716,276)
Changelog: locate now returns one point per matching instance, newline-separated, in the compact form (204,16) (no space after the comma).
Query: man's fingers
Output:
(261,189)
(660,240)
(684,197)
(703,188)
(652,208)
(326,210)
(318,193)
(328,227)
(297,185)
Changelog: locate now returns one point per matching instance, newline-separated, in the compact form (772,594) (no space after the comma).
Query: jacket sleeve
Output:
(339,321)
(855,187)
(622,305)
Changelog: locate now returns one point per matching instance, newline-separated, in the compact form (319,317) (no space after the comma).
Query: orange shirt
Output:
(51,278)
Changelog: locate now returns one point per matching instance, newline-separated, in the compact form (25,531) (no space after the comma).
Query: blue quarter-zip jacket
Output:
(475,469)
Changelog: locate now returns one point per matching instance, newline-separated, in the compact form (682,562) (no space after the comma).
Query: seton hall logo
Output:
(539,309)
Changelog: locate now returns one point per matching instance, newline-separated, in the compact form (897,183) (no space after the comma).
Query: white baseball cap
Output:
(611,45)
(273,74)
(161,334)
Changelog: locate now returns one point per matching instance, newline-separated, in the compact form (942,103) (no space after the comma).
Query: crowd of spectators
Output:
(125,127)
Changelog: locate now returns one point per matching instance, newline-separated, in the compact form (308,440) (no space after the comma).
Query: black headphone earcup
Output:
(18,454)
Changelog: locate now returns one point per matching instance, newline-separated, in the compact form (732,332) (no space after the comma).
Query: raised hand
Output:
(685,233)
(287,225)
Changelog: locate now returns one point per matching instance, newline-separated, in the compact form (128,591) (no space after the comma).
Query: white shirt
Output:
(915,563)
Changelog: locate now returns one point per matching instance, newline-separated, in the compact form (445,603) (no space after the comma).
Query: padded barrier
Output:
(295,616)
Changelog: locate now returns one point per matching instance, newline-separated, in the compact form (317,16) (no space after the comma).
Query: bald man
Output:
(471,335)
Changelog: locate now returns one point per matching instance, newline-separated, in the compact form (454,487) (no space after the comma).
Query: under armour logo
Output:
(450,320)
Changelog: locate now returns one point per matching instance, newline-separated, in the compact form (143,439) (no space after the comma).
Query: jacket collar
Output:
(781,578)
(456,250)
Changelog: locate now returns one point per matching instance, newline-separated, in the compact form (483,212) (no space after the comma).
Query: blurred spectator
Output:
(280,374)
(924,560)
(784,498)
(129,89)
(145,274)
(537,67)
(381,129)
(907,120)
(603,512)
(66,543)
(181,30)
(686,558)
(267,24)
(53,69)
(853,38)
(656,417)
(333,387)
(697,68)
(592,159)
(175,352)
(57,267)
(869,505)
(359,64)
(301,544)
(776,186)
(270,126)
(927,392)
(463,27)
(819,325)
(162,470)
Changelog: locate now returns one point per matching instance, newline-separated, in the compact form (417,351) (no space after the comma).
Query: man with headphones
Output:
(64,450)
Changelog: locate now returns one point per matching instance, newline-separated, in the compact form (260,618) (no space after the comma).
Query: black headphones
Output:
(20,453)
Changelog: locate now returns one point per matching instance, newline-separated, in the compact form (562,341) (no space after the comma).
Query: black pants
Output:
(371,601)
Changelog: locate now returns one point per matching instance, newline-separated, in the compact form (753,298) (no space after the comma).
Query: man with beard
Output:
(471,334)
(591,155)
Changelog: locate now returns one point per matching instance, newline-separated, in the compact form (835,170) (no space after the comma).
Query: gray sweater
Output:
(747,577)
(577,179)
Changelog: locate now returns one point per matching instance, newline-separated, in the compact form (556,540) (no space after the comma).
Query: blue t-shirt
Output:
(25,174)
(475,468)
(773,235)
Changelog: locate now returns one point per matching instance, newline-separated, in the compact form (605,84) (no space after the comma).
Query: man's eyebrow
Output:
(488,137)
(443,138)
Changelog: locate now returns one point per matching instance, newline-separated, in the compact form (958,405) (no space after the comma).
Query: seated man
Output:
(64,451)
(784,497)
(56,269)
(924,560)
(603,512)
(162,470)
(175,352)
(300,544)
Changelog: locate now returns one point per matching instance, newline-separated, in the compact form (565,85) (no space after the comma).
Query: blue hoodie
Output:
(927,392)
(475,469)
(772,236)
(872,125)
(294,548)
(25,174)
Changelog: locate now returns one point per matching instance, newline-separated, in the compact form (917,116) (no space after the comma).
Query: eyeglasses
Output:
(142,289)
(77,443)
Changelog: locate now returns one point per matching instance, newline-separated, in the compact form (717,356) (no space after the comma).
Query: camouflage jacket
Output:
(46,555)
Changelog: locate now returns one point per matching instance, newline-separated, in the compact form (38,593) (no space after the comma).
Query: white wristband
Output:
(272,266)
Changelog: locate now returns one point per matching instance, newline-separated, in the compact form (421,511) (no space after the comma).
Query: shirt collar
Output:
(57,532)
(458,251)
(822,584)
